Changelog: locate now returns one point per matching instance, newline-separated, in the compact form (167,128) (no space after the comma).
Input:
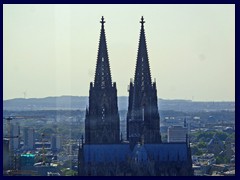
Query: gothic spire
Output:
(102,123)
(142,71)
(143,117)
(102,75)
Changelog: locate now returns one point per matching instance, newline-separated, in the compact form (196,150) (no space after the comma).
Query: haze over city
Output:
(51,50)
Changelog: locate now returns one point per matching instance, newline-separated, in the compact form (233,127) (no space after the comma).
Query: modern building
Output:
(27,161)
(177,134)
(143,153)
(55,142)
(14,136)
(29,138)
(6,154)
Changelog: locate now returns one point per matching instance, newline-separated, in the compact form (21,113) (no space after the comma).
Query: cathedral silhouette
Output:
(104,152)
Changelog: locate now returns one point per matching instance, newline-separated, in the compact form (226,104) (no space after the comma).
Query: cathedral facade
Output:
(143,153)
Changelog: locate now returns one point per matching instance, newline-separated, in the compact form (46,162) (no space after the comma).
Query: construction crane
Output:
(42,152)
(10,118)
(12,158)
(13,171)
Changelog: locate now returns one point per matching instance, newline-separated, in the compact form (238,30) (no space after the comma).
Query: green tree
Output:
(202,144)
(222,160)
(196,151)
(221,135)
(68,172)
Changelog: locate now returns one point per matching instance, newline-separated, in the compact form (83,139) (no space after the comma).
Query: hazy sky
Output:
(51,50)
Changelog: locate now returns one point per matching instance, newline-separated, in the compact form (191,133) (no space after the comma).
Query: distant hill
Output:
(81,102)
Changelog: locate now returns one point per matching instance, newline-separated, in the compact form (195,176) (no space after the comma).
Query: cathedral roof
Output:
(139,153)
(96,153)
(106,152)
(168,151)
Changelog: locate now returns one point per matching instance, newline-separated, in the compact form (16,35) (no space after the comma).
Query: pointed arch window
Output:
(103,113)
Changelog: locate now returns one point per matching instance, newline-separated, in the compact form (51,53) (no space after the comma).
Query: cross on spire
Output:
(142,21)
(102,20)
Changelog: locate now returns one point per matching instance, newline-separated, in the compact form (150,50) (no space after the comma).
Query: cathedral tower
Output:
(102,118)
(143,121)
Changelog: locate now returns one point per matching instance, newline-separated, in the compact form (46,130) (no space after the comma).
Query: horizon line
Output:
(120,96)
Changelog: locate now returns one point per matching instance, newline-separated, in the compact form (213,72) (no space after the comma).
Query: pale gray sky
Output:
(51,50)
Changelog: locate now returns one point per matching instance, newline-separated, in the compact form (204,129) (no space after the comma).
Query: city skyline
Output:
(51,50)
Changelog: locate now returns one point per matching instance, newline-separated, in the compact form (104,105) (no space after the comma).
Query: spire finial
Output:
(142,21)
(102,21)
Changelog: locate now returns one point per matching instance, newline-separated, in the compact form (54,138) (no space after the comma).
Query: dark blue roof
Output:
(167,151)
(139,153)
(106,152)
(96,153)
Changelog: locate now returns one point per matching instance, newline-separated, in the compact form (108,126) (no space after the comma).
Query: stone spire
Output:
(142,72)
(102,75)
(143,118)
(102,124)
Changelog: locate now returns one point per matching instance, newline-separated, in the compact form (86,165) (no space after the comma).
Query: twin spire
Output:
(102,119)
(103,74)
(103,77)
(142,72)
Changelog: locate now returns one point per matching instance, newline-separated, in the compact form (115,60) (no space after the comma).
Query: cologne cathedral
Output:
(104,152)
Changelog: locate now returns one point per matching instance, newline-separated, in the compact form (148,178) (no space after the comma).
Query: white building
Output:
(177,134)
(29,138)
